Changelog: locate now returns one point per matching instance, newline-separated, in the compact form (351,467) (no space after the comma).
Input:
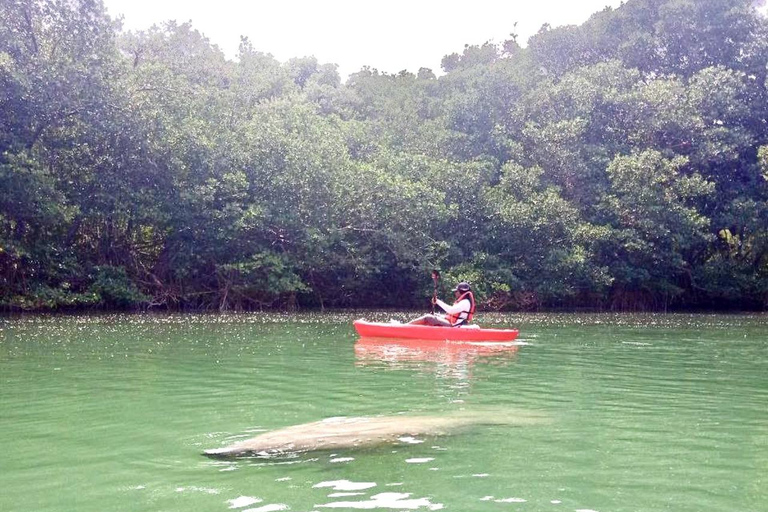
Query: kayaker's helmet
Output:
(462,288)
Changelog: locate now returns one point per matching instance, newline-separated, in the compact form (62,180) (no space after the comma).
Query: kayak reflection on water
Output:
(459,357)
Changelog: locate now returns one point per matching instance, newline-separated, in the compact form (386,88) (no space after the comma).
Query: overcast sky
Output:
(389,35)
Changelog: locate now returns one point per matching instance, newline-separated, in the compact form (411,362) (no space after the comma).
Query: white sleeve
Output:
(462,306)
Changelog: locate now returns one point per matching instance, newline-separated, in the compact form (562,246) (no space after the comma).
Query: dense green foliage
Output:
(622,163)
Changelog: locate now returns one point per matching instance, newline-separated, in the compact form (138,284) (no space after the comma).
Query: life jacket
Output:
(462,317)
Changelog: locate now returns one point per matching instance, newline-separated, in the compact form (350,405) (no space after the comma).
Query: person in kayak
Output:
(456,315)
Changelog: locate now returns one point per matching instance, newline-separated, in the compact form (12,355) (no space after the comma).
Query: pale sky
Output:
(390,35)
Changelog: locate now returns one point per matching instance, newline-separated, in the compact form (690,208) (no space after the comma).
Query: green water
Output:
(642,413)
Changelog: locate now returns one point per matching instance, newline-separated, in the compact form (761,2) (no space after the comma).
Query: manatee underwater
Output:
(360,432)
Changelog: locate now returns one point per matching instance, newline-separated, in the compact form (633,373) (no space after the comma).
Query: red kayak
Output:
(427,332)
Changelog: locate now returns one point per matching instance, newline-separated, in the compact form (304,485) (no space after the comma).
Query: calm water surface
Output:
(641,413)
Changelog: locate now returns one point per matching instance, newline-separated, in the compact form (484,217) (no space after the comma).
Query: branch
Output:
(28,19)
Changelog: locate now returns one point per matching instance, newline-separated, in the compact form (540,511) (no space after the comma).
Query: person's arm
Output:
(460,307)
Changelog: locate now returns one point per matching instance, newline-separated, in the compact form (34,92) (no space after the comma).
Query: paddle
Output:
(435,279)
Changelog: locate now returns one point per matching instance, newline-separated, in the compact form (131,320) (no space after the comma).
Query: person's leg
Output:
(419,321)
(431,320)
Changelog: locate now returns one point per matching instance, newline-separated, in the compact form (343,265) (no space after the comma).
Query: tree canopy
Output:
(622,164)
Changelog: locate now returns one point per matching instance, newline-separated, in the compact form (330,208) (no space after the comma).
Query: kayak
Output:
(428,332)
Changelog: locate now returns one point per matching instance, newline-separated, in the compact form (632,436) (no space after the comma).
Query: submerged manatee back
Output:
(355,432)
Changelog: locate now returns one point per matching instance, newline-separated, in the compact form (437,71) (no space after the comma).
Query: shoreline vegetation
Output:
(619,165)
